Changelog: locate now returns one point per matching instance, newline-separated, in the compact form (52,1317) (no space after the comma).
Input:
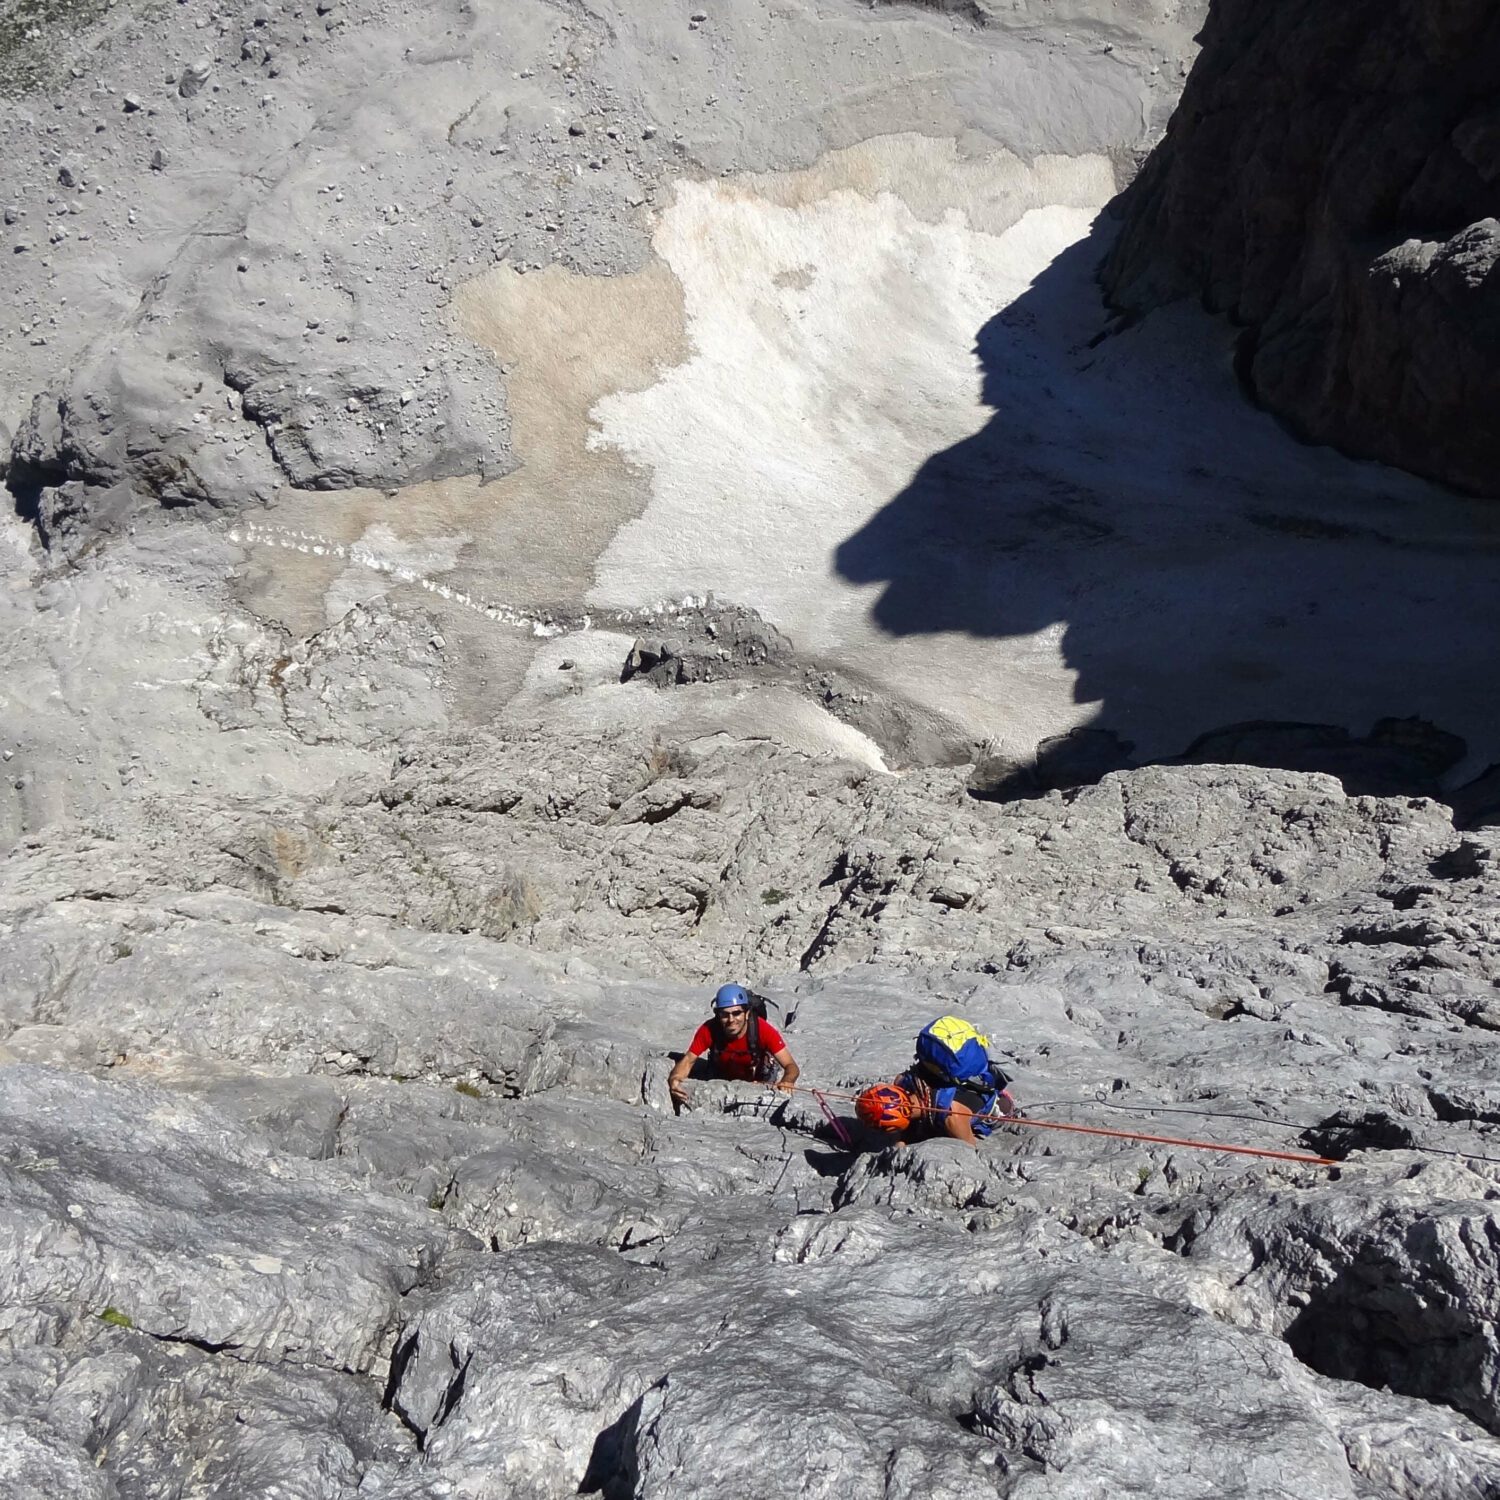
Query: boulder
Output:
(1080,757)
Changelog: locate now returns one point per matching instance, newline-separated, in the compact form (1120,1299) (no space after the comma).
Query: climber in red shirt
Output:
(733,1049)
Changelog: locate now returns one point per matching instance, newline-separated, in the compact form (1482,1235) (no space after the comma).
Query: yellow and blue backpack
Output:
(950,1051)
(952,1055)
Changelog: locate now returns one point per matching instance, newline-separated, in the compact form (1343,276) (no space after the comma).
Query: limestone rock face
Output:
(1330,181)
(336,1156)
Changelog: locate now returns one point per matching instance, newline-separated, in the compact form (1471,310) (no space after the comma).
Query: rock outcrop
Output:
(1331,180)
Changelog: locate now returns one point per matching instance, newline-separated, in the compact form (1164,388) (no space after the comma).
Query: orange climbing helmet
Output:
(887,1106)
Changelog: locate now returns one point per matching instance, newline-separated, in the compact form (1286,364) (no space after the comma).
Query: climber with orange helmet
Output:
(736,1042)
(952,1087)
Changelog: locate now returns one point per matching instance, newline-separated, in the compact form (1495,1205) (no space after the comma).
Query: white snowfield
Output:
(890,433)
(832,330)
(827,346)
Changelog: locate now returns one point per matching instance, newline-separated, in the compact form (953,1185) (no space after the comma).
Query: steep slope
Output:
(305,1199)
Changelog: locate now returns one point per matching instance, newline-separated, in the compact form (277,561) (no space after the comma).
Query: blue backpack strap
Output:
(988,1098)
(983,1127)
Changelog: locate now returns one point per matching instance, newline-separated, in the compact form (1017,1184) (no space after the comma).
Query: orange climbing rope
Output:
(1122,1135)
(1171,1140)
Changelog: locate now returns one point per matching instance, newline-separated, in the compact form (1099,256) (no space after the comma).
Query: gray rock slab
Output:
(193,1231)
(641,1267)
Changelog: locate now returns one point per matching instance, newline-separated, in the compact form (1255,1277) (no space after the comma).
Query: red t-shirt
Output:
(735,1059)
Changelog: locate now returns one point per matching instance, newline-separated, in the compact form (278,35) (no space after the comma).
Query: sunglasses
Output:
(732,1012)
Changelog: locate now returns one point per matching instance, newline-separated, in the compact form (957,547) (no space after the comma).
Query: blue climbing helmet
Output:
(731,995)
